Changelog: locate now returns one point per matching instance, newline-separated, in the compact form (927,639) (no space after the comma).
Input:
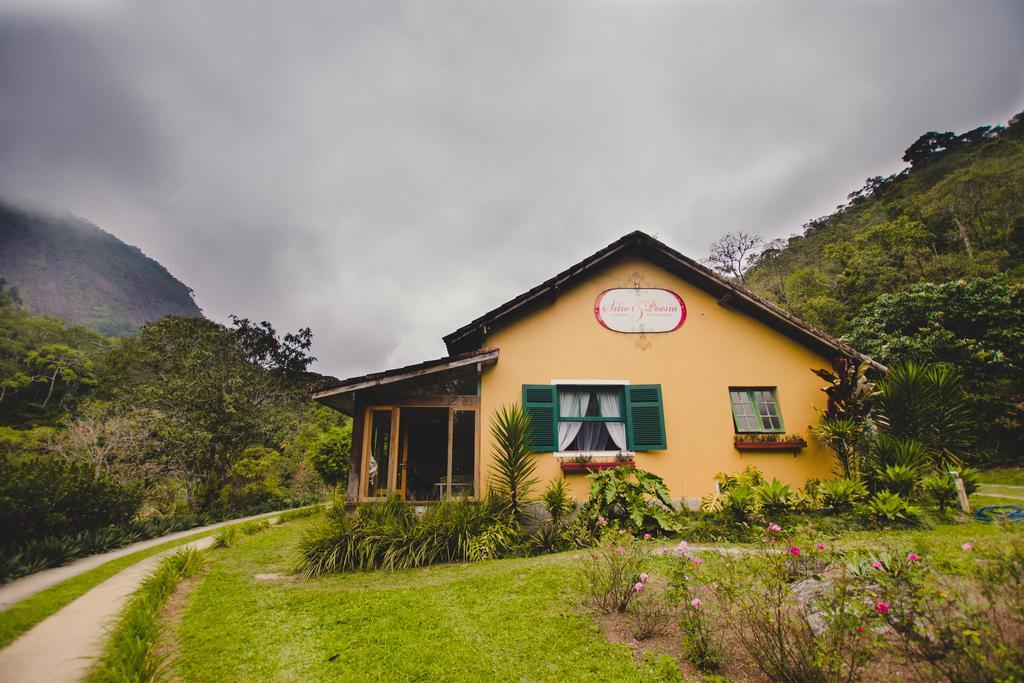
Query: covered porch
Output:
(415,429)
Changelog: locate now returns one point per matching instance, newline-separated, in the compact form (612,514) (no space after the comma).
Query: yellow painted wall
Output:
(714,349)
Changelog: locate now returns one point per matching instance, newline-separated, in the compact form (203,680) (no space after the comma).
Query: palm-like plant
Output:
(927,402)
(844,436)
(513,468)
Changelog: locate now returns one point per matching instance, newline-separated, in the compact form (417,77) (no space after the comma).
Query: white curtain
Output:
(570,404)
(609,403)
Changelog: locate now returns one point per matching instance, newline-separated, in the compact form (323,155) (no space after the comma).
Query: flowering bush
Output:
(952,629)
(612,570)
(817,629)
(703,649)
(649,612)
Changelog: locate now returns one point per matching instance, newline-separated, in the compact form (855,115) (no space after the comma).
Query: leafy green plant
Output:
(849,390)
(886,507)
(513,468)
(556,500)
(749,477)
(739,502)
(902,480)
(633,498)
(841,494)
(940,488)
(773,496)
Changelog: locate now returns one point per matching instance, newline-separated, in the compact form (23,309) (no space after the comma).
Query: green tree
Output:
(976,326)
(210,401)
(330,454)
(513,468)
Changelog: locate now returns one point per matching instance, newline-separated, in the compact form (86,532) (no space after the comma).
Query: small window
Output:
(755,410)
(591,419)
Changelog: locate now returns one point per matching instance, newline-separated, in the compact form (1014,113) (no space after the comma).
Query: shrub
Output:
(971,481)
(611,571)
(886,507)
(47,497)
(749,477)
(702,648)
(841,494)
(773,496)
(254,527)
(556,501)
(632,498)
(649,612)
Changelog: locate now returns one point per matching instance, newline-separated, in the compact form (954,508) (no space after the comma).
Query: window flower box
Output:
(787,444)
(570,467)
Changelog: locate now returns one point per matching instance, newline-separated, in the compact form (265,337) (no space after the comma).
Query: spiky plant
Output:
(513,468)
(844,436)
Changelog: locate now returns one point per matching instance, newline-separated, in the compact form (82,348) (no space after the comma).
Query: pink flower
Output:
(620,549)
(697,561)
(662,552)
(876,565)
(774,527)
(644,577)
(647,537)
(696,603)
(860,630)
(638,586)
(967,547)
(600,519)
(820,546)
(912,557)
(882,607)
(794,551)
(682,548)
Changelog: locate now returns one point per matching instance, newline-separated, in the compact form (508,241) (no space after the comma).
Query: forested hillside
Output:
(956,211)
(925,264)
(68,268)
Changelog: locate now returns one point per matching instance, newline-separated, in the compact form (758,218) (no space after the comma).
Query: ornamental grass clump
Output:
(391,535)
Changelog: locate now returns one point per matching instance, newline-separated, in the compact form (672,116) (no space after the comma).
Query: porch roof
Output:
(341,393)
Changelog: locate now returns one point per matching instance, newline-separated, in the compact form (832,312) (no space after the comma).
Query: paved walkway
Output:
(62,647)
(27,586)
(996,490)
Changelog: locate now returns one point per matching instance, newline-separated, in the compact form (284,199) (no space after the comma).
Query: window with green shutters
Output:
(755,409)
(595,418)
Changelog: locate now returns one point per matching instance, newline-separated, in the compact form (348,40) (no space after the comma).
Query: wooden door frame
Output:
(453,404)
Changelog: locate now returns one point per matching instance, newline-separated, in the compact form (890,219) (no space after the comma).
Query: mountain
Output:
(955,213)
(68,268)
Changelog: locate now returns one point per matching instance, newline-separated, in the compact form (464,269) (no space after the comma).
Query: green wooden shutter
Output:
(539,403)
(645,423)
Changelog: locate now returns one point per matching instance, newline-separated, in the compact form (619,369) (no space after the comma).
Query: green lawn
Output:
(499,620)
(1013,476)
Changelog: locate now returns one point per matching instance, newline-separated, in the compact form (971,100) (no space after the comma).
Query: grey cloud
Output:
(386,171)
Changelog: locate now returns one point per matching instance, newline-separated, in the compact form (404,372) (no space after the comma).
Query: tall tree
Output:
(735,253)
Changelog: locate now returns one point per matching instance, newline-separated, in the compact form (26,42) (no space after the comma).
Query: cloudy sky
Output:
(386,171)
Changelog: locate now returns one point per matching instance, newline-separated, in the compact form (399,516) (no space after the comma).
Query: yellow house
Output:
(635,355)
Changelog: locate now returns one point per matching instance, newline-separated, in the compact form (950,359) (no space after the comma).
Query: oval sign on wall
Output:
(640,310)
